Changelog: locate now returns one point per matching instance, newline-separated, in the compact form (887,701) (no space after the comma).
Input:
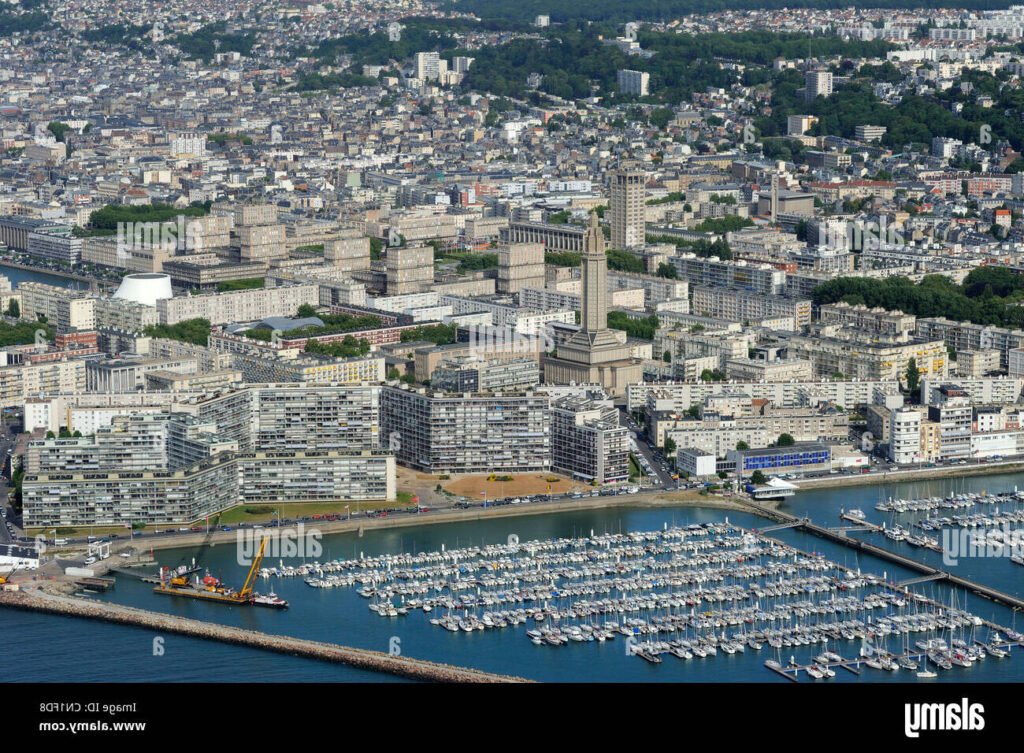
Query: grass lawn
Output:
(242,514)
(290,510)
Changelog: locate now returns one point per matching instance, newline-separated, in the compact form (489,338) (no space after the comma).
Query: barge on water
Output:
(211,589)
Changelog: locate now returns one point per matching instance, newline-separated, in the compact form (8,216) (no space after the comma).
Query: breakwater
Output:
(374,661)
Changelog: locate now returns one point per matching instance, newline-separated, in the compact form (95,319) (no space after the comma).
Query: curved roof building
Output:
(146,288)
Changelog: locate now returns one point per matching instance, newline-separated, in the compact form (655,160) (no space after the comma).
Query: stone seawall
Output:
(373,661)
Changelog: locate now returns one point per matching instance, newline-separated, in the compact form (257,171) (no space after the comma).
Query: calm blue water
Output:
(69,649)
(18,276)
(341,615)
(824,506)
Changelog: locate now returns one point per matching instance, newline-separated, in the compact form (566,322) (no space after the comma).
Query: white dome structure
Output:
(146,288)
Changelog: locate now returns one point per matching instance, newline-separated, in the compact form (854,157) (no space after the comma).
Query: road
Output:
(655,459)
(9,518)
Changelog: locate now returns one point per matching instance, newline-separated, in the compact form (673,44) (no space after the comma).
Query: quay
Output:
(94,284)
(373,661)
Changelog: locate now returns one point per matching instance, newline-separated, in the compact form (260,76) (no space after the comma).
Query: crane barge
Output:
(210,588)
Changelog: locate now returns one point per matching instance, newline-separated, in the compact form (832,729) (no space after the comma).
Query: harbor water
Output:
(340,615)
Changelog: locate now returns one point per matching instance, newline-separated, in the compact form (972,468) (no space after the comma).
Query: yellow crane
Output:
(5,579)
(250,580)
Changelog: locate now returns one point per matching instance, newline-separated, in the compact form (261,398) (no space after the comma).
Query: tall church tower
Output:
(594,354)
(595,279)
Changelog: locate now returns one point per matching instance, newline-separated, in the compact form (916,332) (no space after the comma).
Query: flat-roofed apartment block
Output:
(473,374)
(129,374)
(891,324)
(63,308)
(292,366)
(410,269)
(173,381)
(904,435)
(316,477)
(349,253)
(208,233)
(760,279)
(1001,390)
(189,494)
(656,289)
(337,288)
(552,237)
(762,370)
(238,305)
(469,432)
(970,336)
(262,242)
(255,214)
(723,431)
(417,227)
(23,380)
(207,271)
(480,232)
(520,265)
(736,305)
(955,419)
(978,363)
(260,443)
(679,397)
(545,299)
(860,359)
(283,417)
(587,441)
(124,314)
(57,244)
(206,358)
(135,258)
(626,208)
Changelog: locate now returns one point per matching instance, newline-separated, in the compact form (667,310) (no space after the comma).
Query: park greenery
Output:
(347,347)
(439,334)
(332,324)
(22,333)
(642,328)
(211,39)
(249,283)
(989,295)
(195,331)
(560,11)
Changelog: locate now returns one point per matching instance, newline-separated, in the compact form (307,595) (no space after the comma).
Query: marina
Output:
(334,610)
(683,592)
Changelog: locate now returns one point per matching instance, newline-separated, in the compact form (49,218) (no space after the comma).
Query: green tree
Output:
(741,445)
(670,446)
(913,376)
(785,440)
(13,309)
(758,478)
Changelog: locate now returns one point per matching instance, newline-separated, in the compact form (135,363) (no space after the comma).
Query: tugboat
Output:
(271,600)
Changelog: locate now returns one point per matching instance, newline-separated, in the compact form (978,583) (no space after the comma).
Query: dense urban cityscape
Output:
(591,300)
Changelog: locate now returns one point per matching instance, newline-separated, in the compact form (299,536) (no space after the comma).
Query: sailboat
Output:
(925,673)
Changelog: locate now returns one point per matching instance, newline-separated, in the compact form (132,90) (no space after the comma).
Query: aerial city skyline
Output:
(476,341)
